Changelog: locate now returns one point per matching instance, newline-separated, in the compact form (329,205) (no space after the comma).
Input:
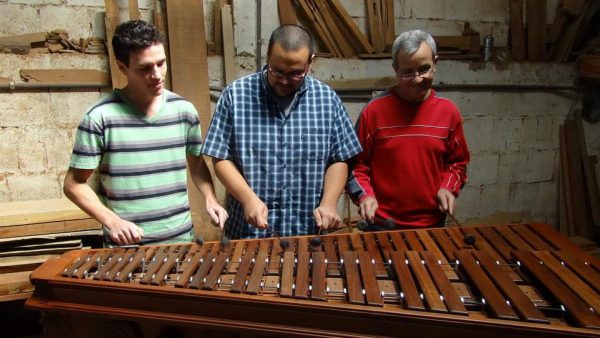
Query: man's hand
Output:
(327,217)
(256,213)
(123,232)
(446,200)
(218,215)
(367,208)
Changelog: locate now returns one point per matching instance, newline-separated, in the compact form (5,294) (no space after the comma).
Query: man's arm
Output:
(454,174)
(203,181)
(79,192)
(326,214)
(255,210)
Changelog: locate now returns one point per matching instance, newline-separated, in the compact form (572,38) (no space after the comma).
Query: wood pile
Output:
(531,39)
(32,232)
(579,200)
(55,41)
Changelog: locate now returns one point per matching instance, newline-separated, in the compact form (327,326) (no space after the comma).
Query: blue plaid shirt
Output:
(283,158)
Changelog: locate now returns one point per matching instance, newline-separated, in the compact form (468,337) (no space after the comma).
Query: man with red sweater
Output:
(415,154)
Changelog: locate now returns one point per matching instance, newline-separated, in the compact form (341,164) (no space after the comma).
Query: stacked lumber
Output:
(533,40)
(32,232)
(55,41)
(579,200)
(460,47)
(336,31)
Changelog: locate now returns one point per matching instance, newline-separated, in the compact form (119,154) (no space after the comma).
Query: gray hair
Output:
(409,42)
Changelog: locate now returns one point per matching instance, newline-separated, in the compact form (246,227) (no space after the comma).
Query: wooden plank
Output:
(379,83)
(228,44)
(374,29)
(367,271)
(161,24)
(582,268)
(302,273)
(576,180)
(26,39)
(354,284)
(206,262)
(287,12)
(375,254)
(560,51)
(242,271)
(426,284)
(361,44)
(579,311)
(521,303)
(118,79)
(217,268)
(333,269)
(590,184)
(39,211)
(320,20)
(390,24)
(385,244)
(582,289)
(134,11)
(339,38)
(15,282)
(413,241)
(459,42)
(398,241)
(315,27)
(512,238)
(218,26)
(318,276)
(48,228)
(430,246)
(445,243)
(83,76)
(517,33)
(287,274)
(494,299)
(258,269)
(492,237)
(566,184)
(189,68)
(536,29)
(449,293)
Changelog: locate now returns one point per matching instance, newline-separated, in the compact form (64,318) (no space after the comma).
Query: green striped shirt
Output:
(141,162)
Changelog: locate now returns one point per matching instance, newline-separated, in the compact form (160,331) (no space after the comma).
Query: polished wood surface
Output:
(520,280)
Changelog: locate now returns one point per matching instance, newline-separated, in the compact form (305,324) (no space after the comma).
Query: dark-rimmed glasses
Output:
(292,76)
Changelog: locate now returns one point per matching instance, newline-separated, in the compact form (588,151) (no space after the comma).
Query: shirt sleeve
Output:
(193,143)
(359,179)
(218,137)
(345,143)
(89,144)
(454,175)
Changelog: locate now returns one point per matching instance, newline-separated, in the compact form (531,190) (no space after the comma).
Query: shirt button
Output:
(284,165)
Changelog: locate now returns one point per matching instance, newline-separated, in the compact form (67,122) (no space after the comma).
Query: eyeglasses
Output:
(423,71)
(292,76)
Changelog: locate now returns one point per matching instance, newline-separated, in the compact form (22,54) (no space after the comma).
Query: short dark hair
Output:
(133,36)
(292,38)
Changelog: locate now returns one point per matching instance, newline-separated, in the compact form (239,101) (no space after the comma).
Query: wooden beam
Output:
(339,38)
(118,79)
(228,44)
(517,33)
(287,12)
(362,43)
(536,29)
(374,29)
(315,27)
(591,186)
(134,11)
(390,29)
(218,27)
(160,21)
(189,69)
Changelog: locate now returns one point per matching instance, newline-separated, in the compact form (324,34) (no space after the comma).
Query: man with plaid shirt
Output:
(279,140)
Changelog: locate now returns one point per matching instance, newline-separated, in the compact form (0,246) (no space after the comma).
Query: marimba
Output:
(523,280)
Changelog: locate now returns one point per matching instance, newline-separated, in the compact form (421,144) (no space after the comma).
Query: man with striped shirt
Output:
(415,154)
(141,139)
(279,140)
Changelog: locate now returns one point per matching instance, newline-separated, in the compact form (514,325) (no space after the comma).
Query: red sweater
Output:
(410,151)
